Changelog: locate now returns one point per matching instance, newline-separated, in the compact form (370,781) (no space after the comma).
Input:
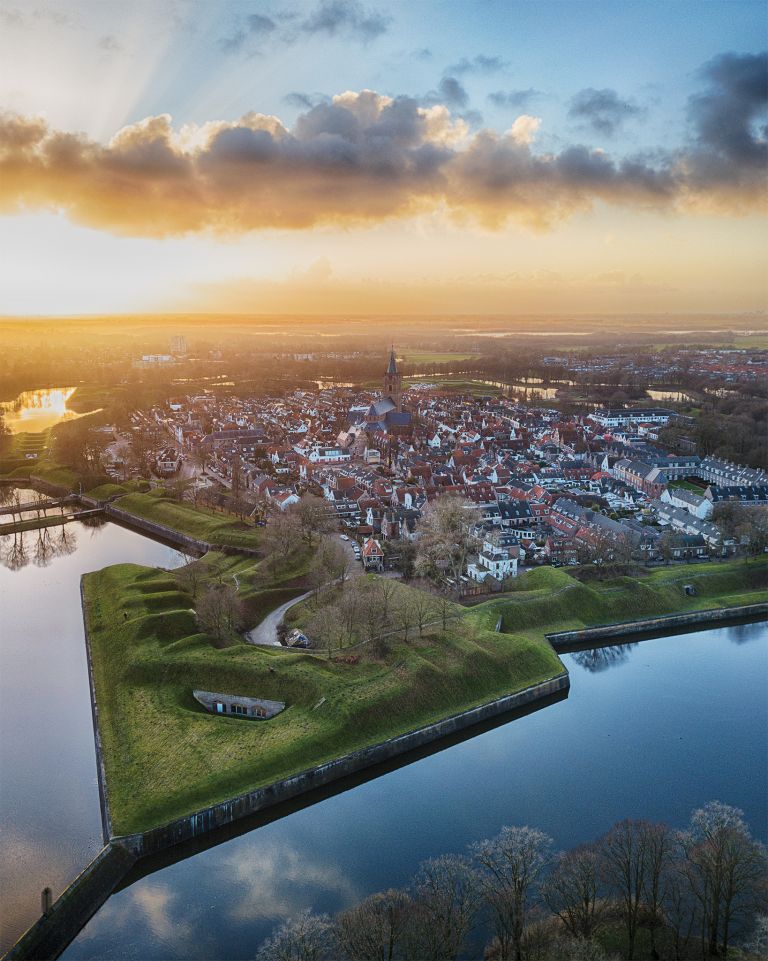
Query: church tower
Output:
(393,382)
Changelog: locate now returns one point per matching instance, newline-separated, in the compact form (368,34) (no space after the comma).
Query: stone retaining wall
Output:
(106,818)
(226,812)
(657,625)
(52,932)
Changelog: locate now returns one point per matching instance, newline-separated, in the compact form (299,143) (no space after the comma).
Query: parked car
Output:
(343,537)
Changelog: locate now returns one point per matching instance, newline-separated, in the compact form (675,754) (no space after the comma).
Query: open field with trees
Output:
(392,658)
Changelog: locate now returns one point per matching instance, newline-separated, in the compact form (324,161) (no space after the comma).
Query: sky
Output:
(335,156)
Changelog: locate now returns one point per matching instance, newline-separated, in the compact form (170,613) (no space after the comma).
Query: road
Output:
(265,634)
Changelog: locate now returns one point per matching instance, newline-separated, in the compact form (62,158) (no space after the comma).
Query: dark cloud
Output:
(254,26)
(602,110)
(449,92)
(513,99)
(730,116)
(478,64)
(345,18)
(729,128)
(331,18)
(304,101)
(363,157)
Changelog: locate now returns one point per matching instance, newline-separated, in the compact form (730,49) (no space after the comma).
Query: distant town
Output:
(607,487)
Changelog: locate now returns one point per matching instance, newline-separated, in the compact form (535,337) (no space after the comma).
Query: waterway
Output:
(50,824)
(650,729)
(34,411)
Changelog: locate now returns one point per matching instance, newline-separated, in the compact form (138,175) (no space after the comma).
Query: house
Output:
(499,557)
(697,504)
(167,462)
(373,555)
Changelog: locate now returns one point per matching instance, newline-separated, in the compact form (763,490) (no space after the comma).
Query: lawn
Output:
(689,486)
(199,522)
(165,756)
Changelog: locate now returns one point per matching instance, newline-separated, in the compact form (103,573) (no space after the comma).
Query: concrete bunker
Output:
(237,705)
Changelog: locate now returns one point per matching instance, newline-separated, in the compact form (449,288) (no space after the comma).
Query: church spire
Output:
(393,381)
(392,369)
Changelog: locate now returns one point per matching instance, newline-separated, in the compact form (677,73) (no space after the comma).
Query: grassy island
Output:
(165,756)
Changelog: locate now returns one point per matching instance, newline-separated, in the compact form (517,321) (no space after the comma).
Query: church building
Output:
(385,415)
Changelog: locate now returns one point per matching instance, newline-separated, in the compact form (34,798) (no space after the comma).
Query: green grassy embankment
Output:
(105,492)
(551,600)
(165,756)
(199,522)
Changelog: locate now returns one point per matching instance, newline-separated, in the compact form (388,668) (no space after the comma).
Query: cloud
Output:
(330,18)
(305,101)
(255,26)
(478,64)
(363,157)
(729,117)
(602,110)
(345,18)
(513,99)
(451,93)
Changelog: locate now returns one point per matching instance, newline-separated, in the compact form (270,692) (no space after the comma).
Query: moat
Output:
(678,706)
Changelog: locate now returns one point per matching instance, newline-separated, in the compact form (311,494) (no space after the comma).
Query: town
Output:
(541,487)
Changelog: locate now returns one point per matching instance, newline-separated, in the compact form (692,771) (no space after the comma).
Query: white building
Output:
(499,557)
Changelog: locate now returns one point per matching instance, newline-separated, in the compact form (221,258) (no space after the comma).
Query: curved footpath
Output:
(265,633)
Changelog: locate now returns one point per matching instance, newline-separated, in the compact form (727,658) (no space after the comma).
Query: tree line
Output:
(641,891)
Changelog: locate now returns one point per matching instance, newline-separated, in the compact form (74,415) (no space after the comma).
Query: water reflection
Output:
(38,547)
(50,822)
(34,411)
(602,658)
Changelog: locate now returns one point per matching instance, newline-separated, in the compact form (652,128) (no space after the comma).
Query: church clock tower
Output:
(393,382)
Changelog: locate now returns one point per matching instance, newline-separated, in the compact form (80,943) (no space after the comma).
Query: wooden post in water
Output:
(46,900)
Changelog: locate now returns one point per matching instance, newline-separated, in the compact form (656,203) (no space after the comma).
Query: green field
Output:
(165,756)
(434,357)
(200,522)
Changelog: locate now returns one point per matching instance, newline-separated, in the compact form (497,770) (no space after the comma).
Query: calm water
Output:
(50,824)
(649,730)
(34,411)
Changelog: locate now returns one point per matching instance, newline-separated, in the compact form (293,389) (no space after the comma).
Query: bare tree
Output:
(446,892)
(424,609)
(306,937)
(281,540)
(375,929)
(624,858)
(328,629)
(218,611)
(447,538)
(573,892)
(312,516)
(659,845)
(724,866)
(512,864)
(404,614)
(190,576)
